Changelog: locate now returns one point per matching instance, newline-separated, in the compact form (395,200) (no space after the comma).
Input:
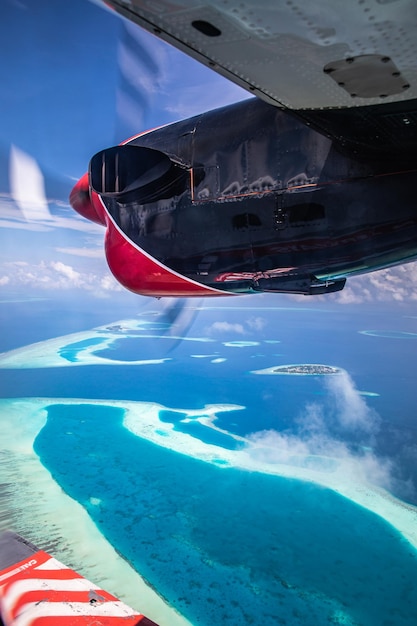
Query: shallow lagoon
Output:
(230,544)
(182,479)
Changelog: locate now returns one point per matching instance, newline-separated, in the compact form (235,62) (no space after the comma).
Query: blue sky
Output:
(79,78)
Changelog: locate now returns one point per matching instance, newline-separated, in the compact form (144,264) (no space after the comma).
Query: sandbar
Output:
(52,352)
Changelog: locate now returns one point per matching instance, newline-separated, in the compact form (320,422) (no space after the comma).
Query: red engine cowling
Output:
(87,203)
(134,268)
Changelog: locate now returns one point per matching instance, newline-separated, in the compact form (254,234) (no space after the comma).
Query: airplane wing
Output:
(35,588)
(314,55)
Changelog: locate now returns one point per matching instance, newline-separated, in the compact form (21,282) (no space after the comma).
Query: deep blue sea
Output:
(222,544)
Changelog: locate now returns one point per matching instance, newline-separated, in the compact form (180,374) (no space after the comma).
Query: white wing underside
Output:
(295,53)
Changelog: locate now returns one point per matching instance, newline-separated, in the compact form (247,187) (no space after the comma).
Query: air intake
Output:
(134,173)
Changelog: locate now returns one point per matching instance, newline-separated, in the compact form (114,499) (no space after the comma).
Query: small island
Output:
(302,369)
(307,368)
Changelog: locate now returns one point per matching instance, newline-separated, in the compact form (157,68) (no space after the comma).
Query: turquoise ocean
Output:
(219,543)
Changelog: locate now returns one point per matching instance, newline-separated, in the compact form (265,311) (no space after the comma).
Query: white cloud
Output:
(345,413)
(91,253)
(396,284)
(12,217)
(68,272)
(58,276)
(270,446)
(350,409)
(225,327)
(21,225)
(399,283)
(256,323)
(108,283)
(4,280)
(250,326)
